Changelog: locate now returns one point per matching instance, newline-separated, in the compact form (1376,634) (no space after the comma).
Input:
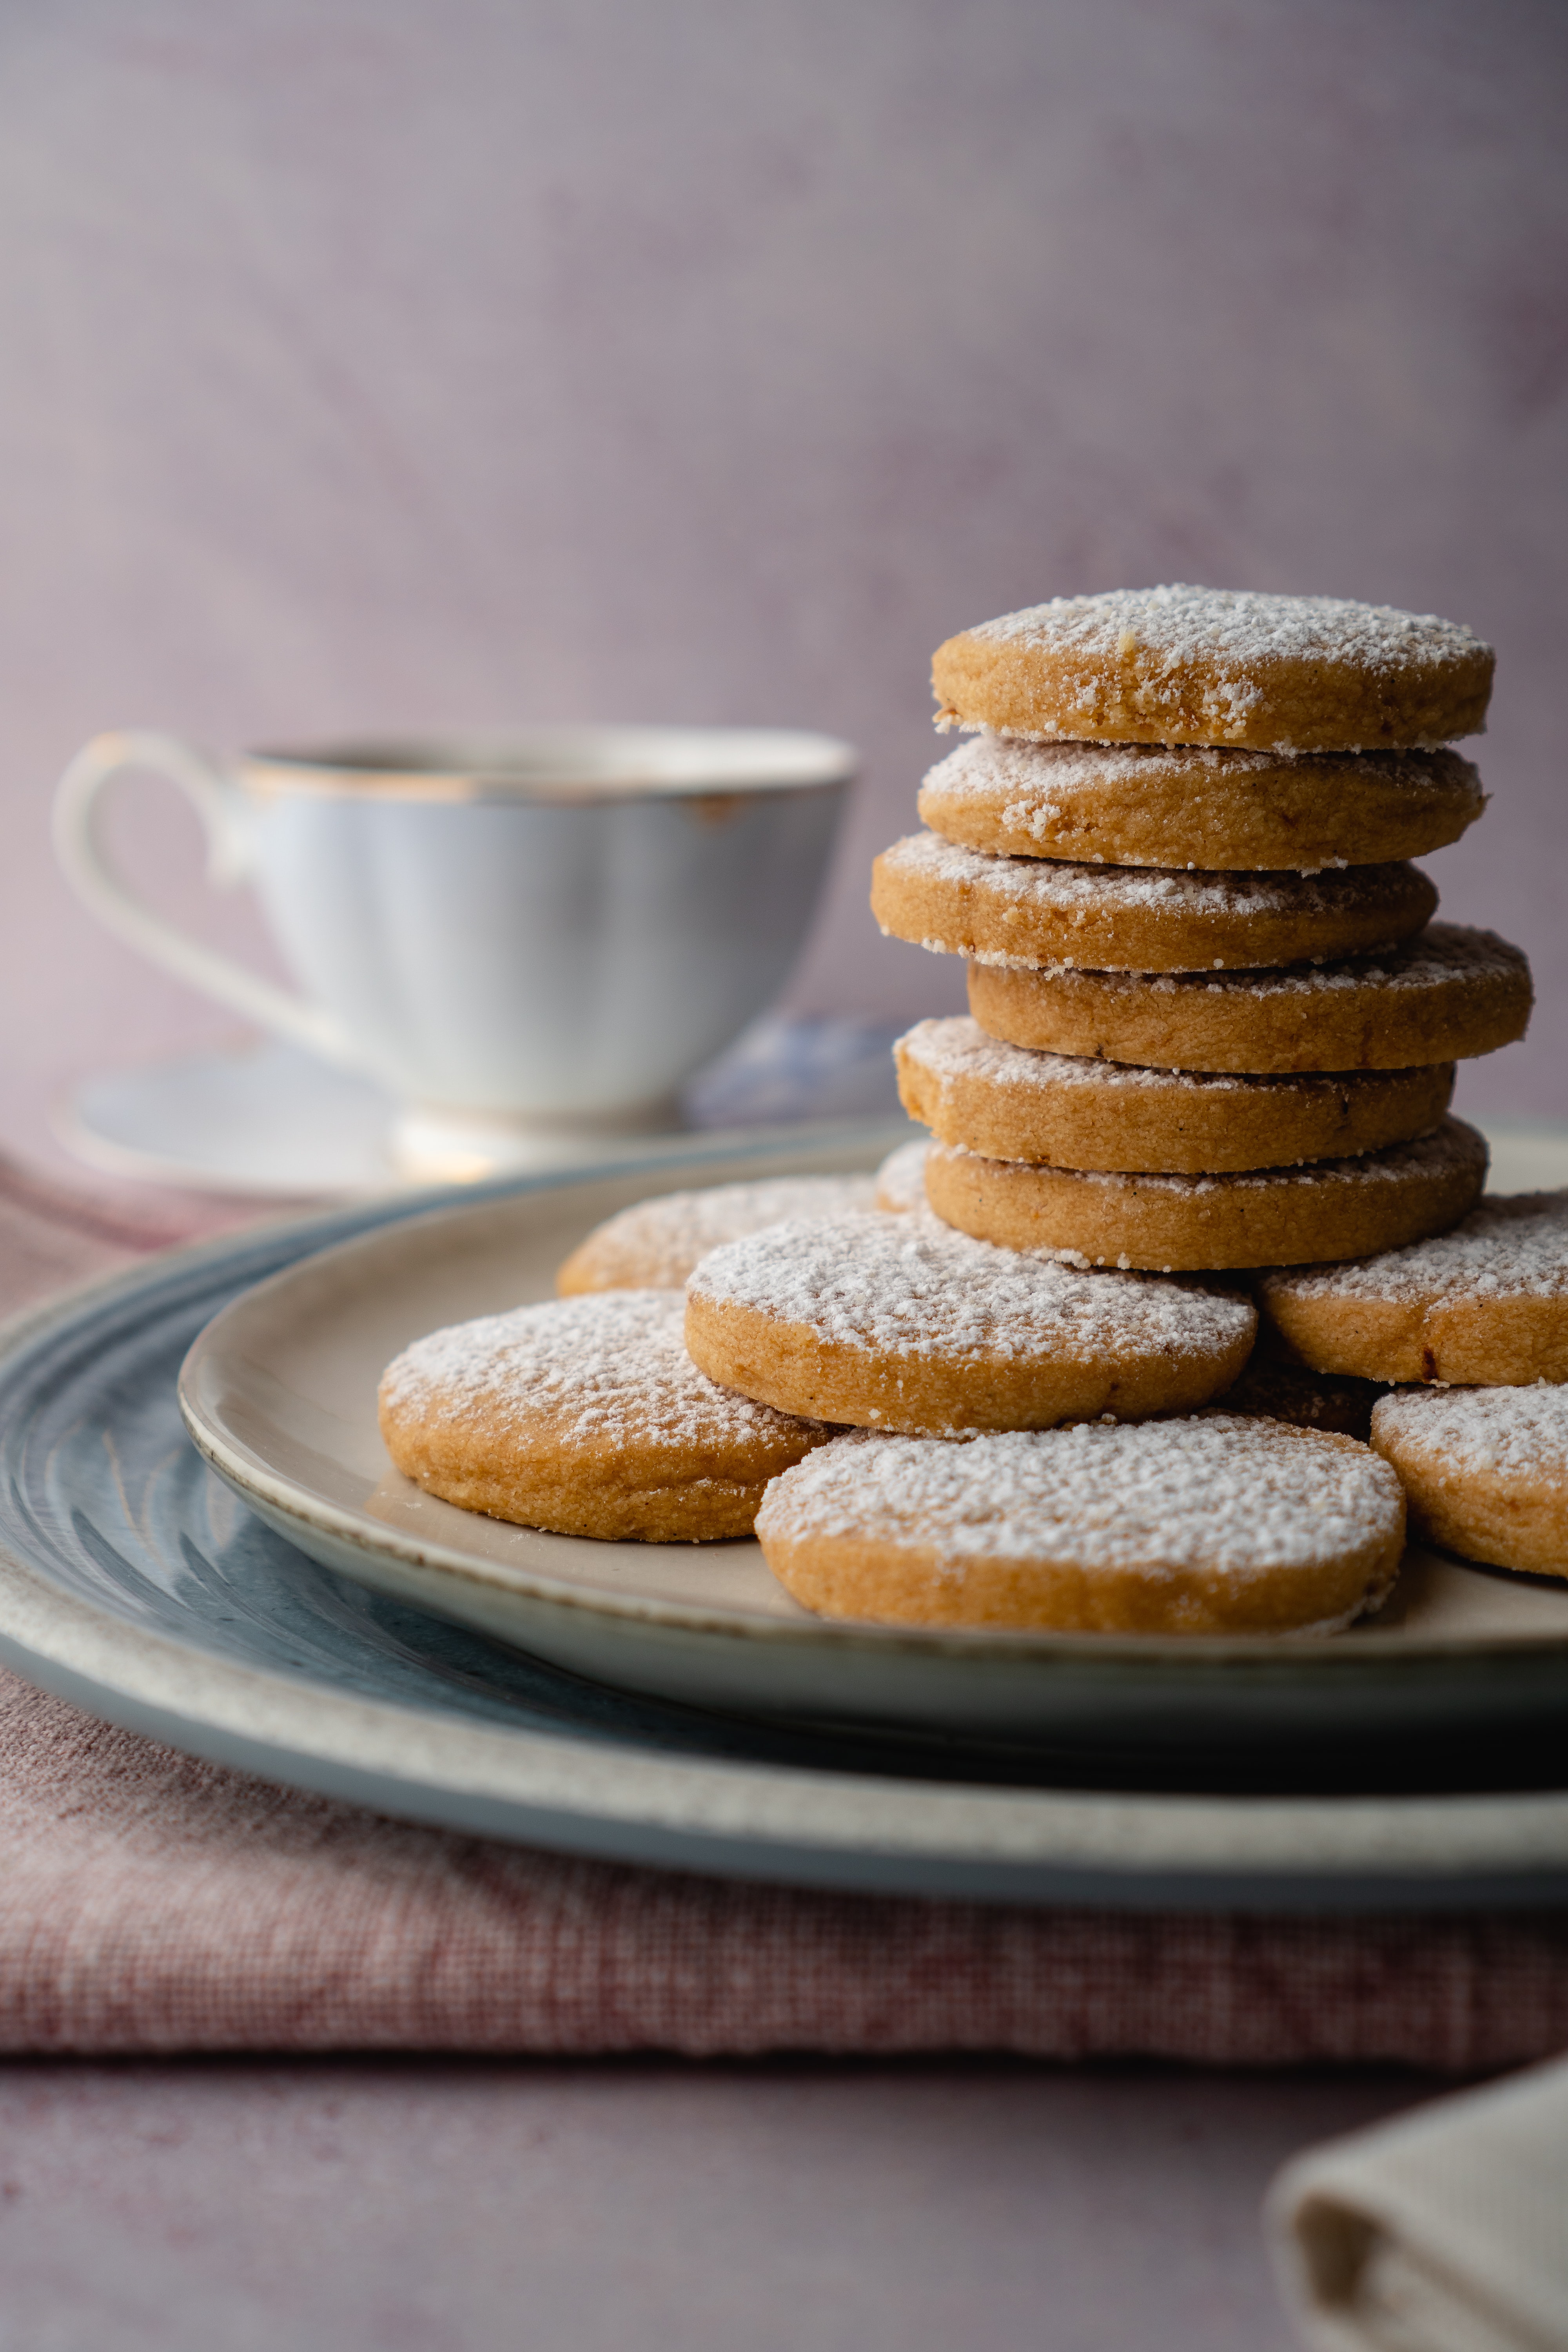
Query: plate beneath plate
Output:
(133,1582)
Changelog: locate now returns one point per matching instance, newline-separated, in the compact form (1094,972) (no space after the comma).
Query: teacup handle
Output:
(79,847)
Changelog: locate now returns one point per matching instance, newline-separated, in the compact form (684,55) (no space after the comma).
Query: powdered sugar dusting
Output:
(1442,953)
(901,1180)
(1069,890)
(1509,1246)
(1515,1433)
(1186,624)
(1212,1491)
(992,764)
(606,1370)
(916,1288)
(1237,632)
(656,1244)
(959,1048)
(1035,786)
(1180,663)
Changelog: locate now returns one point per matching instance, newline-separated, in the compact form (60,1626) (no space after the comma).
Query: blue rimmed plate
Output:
(303,1616)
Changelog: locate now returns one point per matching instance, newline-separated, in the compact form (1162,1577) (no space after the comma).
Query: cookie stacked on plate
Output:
(1212,1025)
(1468,1332)
(833,1341)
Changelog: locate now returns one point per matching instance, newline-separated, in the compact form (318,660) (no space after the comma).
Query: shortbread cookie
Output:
(586,1417)
(1007,1103)
(1272,1216)
(901,1180)
(1217,1525)
(1182,805)
(1483,1306)
(1276,1385)
(655,1244)
(1485,1470)
(1450,994)
(1038,910)
(897,1323)
(1184,664)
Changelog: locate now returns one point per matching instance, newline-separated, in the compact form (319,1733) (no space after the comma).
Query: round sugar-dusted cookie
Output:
(1448,994)
(1485,1470)
(1482,1306)
(898,1323)
(585,1416)
(1268,1216)
(1183,665)
(654,1244)
(1040,910)
(1006,1102)
(1183,805)
(1213,1525)
(901,1180)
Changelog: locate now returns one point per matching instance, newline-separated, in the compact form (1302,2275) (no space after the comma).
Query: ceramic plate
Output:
(134,1581)
(279,1394)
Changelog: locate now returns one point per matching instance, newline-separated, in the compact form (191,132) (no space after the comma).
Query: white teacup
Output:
(544,930)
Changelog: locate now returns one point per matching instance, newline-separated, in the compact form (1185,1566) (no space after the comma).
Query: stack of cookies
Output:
(1212,1023)
(1213,1027)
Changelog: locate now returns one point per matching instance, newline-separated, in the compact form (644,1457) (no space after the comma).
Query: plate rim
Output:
(782,1821)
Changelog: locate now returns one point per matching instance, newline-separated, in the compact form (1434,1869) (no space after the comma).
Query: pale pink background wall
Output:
(388,362)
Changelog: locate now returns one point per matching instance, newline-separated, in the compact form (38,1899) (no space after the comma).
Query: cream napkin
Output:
(1445,2232)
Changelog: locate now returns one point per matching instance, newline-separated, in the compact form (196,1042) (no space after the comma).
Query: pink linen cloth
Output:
(154,1904)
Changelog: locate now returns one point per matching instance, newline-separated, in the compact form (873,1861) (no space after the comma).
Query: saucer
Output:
(267,1120)
(262,1118)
